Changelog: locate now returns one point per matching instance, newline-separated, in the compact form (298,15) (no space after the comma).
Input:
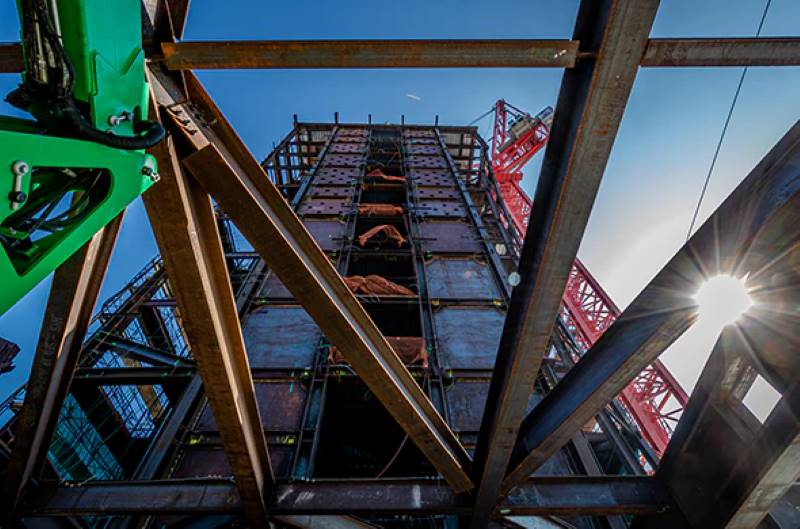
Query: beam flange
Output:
(186,232)
(73,295)
(600,495)
(590,106)
(132,376)
(734,52)
(484,53)
(512,53)
(744,235)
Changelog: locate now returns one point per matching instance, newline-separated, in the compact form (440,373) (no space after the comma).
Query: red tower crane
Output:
(654,399)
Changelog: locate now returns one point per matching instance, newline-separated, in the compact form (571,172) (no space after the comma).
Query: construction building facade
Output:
(357,333)
(413,220)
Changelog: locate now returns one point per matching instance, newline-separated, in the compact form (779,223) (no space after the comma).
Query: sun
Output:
(723,299)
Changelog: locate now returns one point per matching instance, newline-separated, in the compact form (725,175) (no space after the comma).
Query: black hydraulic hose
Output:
(154,131)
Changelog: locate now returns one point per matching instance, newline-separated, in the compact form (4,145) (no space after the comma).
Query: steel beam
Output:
(132,376)
(754,228)
(73,295)
(136,351)
(783,51)
(186,232)
(486,53)
(586,496)
(721,454)
(163,21)
(370,54)
(601,496)
(591,102)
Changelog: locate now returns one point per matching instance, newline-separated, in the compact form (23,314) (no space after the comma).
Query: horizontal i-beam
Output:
(760,207)
(370,54)
(551,495)
(229,173)
(784,51)
(487,53)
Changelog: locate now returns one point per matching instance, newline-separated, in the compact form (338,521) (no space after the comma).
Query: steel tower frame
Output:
(697,484)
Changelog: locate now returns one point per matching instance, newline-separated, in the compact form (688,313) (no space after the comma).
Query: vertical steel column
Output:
(185,228)
(591,102)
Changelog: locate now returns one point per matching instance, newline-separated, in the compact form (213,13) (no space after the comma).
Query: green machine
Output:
(80,161)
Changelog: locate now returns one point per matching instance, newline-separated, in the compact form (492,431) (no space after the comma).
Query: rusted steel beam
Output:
(486,53)
(73,295)
(602,495)
(517,53)
(755,228)
(186,231)
(784,51)
(11,60)
(586,496)
(162,21)
(226,169)
(132,376)
(590,106)
(179,14)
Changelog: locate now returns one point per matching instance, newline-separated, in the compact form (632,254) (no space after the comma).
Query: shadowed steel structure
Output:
(238,379)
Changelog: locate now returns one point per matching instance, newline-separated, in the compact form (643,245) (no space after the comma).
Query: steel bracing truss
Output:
(721,468)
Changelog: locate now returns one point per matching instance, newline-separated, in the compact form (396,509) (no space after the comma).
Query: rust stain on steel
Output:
(723,52)
(509,53)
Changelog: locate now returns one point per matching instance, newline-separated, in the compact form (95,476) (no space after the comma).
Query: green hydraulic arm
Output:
(81,160)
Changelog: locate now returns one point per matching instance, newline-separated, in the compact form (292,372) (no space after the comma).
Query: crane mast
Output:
(654,398)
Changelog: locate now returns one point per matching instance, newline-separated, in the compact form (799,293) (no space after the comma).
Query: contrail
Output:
(415,97)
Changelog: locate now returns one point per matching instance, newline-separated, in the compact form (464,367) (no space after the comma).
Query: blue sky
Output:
(652,180)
